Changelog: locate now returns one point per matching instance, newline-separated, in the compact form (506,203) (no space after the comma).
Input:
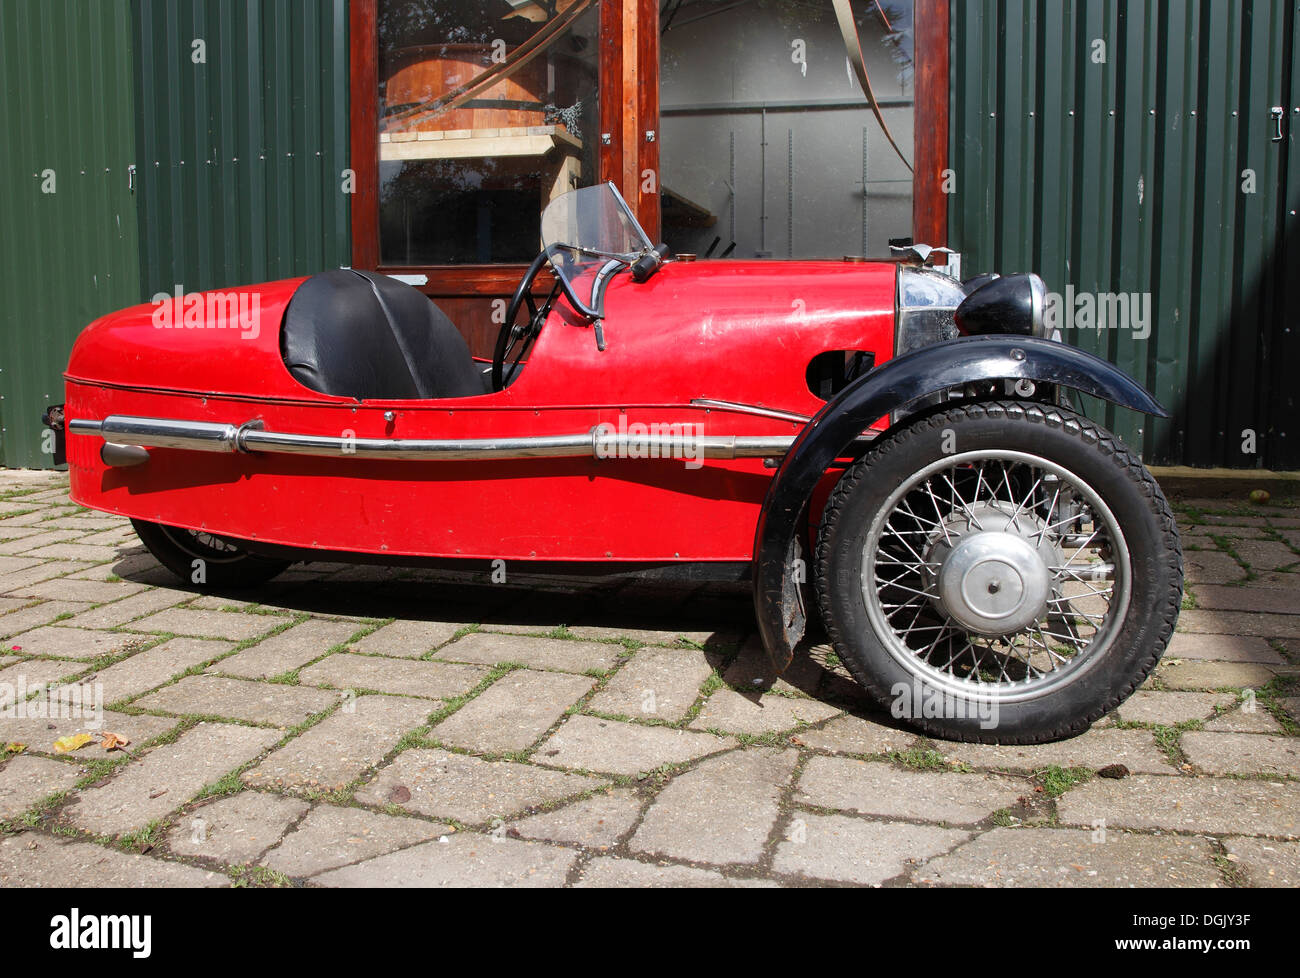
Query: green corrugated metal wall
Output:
(241,157)
(1127,177)
(240,166)
(69,256)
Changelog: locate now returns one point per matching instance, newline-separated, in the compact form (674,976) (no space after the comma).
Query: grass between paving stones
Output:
(1056,780)
(926,759)
(291,677)
(1269,696)
(1227,546)
(260,877)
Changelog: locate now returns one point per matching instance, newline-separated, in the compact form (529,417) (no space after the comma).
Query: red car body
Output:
(737,332)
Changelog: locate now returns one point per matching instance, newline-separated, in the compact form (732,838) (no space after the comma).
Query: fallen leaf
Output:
(112,741)
(66,745)
(1115,771)
(400,795)
(13,747)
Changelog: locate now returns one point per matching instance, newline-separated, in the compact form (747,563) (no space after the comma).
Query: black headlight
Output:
(1014,304)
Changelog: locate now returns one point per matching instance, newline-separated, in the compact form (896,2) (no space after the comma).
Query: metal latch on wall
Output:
(1278,113)
(130,178)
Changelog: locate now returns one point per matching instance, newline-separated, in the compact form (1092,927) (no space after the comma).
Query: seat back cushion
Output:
(367,336)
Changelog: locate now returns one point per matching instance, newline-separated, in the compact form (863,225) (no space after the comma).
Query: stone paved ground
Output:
(357,726)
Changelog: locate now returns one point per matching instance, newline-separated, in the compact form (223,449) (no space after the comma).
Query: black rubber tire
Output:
(177,550)
(1053,433)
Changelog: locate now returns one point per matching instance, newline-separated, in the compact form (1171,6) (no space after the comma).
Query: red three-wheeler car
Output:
(873,440)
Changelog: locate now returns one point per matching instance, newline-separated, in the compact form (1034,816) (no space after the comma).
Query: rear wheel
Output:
(1001,572)
(205,560)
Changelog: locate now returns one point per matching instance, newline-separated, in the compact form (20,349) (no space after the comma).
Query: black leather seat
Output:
(368,336)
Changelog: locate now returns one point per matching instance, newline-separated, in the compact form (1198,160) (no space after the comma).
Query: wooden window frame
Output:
(625,97)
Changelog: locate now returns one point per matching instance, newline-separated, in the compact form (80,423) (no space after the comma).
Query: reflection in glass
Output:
(767,140)
(488,111)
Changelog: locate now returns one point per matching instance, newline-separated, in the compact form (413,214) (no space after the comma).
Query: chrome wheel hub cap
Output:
(994,583)
(993,570)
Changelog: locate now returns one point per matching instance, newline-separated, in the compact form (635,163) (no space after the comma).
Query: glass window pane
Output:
(768,140)
(487,111)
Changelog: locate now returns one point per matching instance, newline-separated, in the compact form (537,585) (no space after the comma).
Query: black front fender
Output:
(830,436)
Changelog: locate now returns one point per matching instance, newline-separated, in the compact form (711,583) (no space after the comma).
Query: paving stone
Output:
(35,616)
(74,643)
(71,551)
(30,860)
(39,732)
(336,751)
(136,606)
(239,699)
(1292,706)
(1136,749)
(1183,804)
(751,672)
(1071,858)
(9,565)
(217,602)
(1273,601)
(592,744)
(9,604)
(40,571)
(331,836)
(733,712)
(92,592)
(720,812)
(1264,862)
(833,847)
(1170,709)
(875,788)
(562,655)
(609,872)
(235,626)
(167,777)
(597,822)
(468,789)
(1211,567)
(1242,753)
(656,683)
(1223,648)
(287,650)
(23,678)
(513,712)
(1264,555)
(26,780)
(464,860)
(47,538)
(408,639)
(1258,721)
(1240,623)
(856,735)
(436,680)
(151,668)
(237,829)
(652,636)
(1213,675)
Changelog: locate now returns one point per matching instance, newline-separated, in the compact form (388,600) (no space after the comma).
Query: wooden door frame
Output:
(626,97)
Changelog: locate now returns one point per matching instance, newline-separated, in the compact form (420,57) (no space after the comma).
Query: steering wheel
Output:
(516,339)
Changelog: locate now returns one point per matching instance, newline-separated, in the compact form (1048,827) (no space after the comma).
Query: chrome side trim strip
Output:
(602,443)
(754,409)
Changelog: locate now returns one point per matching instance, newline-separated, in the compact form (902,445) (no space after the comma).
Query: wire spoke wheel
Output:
(1022,586)
(996,573)
(199,557)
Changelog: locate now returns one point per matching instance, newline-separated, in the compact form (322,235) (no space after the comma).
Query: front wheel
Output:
(1000,572)
(205,560)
